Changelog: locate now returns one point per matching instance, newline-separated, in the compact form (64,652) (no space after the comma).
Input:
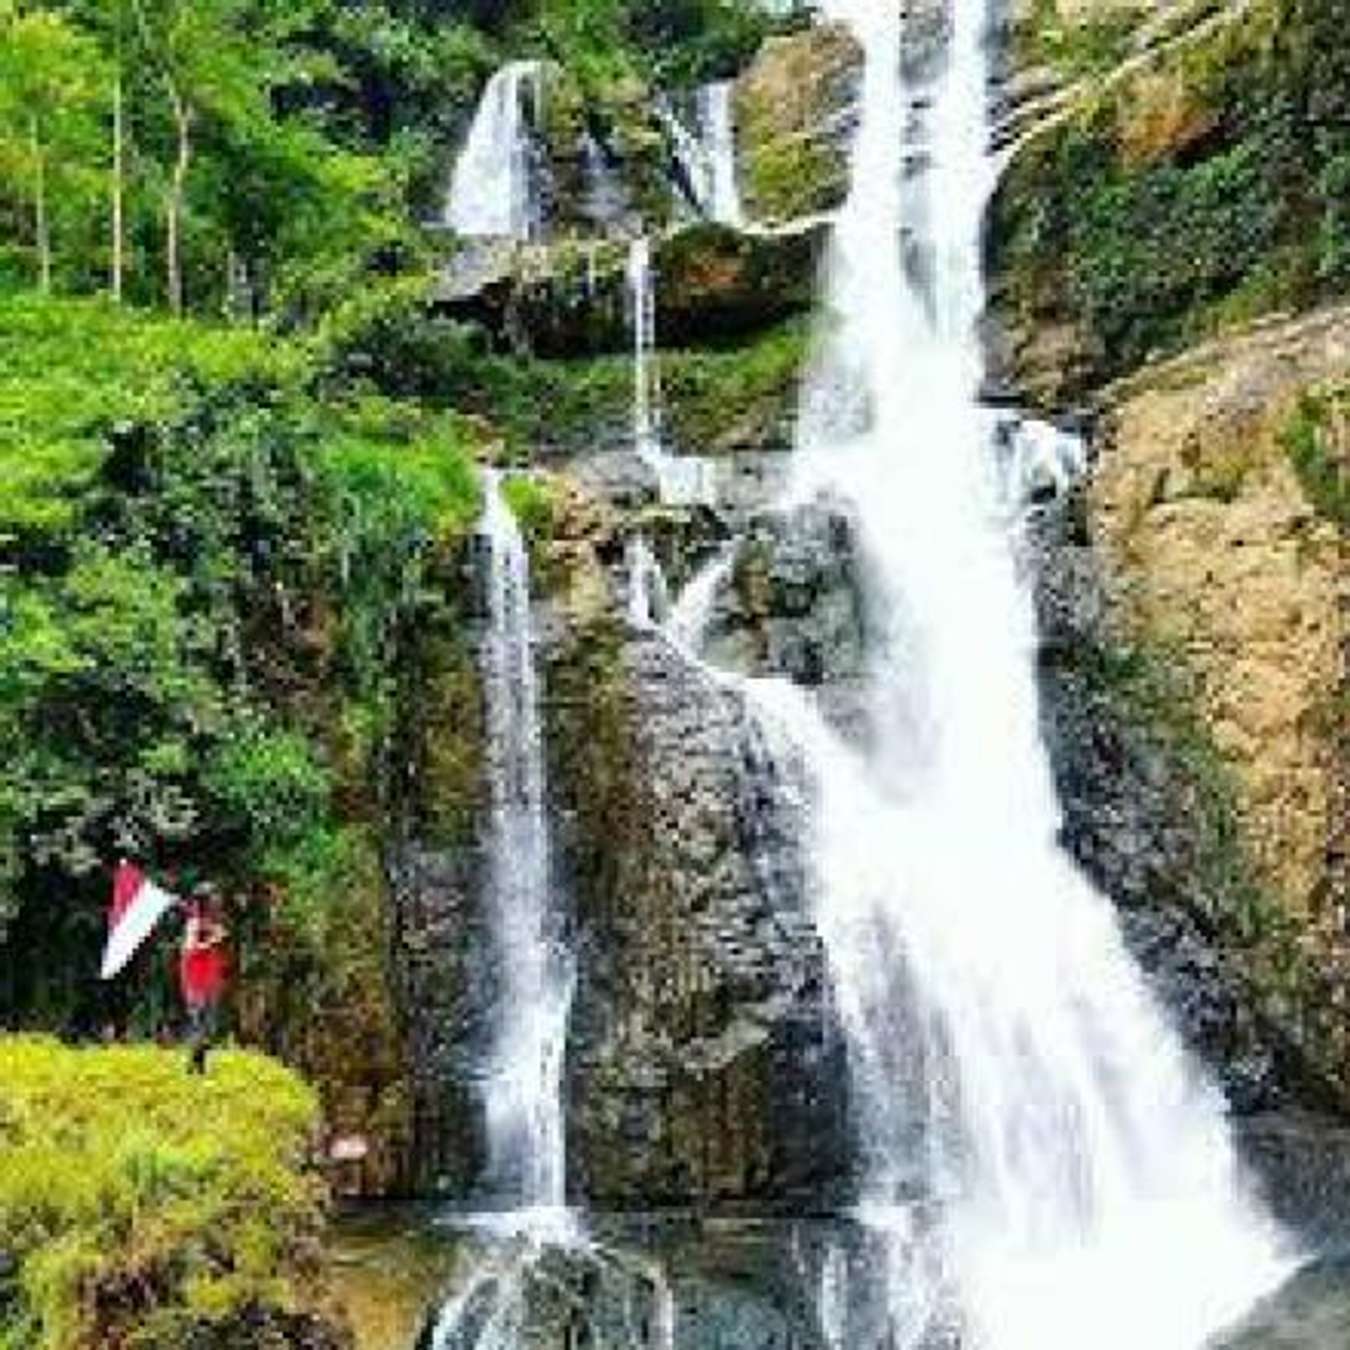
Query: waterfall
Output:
(723,200)
(648,593)
(681,479)
(522,1088)
(491,193)
(642,320)
(1041,1163)
(707,159)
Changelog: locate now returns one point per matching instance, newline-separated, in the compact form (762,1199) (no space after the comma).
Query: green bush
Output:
(1322,465)
(201,652)
(139,1200)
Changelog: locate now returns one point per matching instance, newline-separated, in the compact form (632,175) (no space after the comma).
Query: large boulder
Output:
(796,107)
(704,1067)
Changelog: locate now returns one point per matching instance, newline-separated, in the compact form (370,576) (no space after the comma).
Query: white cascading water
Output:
(681,479)
(522,1087)
(1042,1163)
(491,193)
(648,593)
(722,202)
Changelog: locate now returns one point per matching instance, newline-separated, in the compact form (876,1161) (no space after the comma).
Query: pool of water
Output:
(678,1282)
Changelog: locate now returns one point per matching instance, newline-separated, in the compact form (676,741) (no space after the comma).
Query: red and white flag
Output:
(137,906)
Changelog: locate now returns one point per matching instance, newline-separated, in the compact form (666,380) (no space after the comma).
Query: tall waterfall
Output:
(1043,1166)
(523,1086)
(491,193)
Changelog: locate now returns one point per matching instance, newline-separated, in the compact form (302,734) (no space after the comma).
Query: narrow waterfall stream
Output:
(680,479)
(718,137)
(1043,1166)
(523,1083)
(491,194)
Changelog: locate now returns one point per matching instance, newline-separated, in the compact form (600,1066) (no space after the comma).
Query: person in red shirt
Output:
(202,969)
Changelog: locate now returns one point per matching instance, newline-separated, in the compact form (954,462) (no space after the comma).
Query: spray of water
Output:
(1046,1166)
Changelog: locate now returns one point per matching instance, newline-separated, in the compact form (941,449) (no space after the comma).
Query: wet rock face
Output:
(1135,821)
(571,299)
(703,1066)
(793,607)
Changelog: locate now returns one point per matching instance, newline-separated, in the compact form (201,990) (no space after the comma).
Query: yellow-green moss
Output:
(137,1198)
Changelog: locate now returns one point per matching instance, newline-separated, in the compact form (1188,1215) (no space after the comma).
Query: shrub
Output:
(139,1200)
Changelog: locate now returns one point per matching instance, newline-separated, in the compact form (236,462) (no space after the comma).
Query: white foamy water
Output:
(722,201)
(522,1088)
(681,479)
(491,193)
(648,593)
(1047,1168)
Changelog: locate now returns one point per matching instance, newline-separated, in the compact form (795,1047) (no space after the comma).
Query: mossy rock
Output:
(1179,199)
(793,118)
(571,299)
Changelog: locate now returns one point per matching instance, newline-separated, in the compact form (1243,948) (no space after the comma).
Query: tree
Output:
(49,85)
(217,59)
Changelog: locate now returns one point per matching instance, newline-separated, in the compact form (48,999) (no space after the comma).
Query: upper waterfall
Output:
(1046,1166)
(717,130)
(491,193)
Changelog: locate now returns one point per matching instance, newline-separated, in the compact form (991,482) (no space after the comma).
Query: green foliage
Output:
(138,1200)
(533,503)
(73,372)
(672,42)
(1200,192)
(205,615)
(1083,44)
(1319,450)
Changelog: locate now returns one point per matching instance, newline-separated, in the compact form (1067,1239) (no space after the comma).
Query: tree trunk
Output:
(41,226)
(118,244)
(182,118)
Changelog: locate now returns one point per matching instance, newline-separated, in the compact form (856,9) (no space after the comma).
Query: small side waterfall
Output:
(707,156)
(681,479)
(648,593)
(646,376)
(723,200)
(522,1089)
(491,193)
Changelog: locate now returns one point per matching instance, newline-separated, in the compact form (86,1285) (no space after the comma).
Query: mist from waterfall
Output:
(522,1086)
(1044,1166)
(491,192)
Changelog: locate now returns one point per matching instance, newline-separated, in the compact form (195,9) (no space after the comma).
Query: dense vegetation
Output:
(138,1202)
(219,535)
(212,569)
(1208,187)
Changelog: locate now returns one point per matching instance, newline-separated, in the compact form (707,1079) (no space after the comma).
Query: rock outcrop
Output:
(571,299)
(704,1068)
(795,112)
(1194,668)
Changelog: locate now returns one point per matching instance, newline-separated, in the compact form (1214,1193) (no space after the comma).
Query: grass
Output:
(138,1200)
(1315,439)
